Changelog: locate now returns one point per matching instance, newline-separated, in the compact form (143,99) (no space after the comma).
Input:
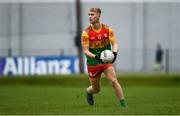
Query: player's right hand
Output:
(97,57)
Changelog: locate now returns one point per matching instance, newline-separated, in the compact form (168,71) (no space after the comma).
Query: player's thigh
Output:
(110,73)
(95,82)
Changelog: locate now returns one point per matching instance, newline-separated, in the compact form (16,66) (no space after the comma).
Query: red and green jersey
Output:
(98,40)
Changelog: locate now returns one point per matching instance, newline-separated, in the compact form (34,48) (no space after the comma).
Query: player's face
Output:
(93,17)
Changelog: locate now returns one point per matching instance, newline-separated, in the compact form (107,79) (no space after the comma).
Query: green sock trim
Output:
(122,103)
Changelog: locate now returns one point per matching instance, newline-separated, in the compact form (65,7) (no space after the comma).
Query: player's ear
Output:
(99,15)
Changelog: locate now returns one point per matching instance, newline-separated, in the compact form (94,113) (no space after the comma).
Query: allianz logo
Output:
(32,66)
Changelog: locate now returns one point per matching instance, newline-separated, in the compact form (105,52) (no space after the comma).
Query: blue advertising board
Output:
(38,65)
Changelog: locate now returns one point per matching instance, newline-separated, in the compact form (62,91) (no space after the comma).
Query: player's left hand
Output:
(115,55)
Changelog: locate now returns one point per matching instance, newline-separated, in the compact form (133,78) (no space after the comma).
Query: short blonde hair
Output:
(95,9)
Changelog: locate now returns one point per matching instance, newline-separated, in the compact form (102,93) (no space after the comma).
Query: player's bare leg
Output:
(94,88)
(111,76)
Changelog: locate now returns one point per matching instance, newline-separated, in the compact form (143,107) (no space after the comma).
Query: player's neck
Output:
(96,25)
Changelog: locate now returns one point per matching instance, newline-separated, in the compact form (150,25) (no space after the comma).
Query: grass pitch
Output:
(152,94)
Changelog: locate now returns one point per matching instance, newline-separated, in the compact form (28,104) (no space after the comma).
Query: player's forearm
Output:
(114,47)
(89,54)
(86,51)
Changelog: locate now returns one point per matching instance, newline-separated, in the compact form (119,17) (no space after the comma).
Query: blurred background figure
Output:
(158,58)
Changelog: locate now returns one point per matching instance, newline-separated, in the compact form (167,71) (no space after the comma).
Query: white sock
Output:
(89,89)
